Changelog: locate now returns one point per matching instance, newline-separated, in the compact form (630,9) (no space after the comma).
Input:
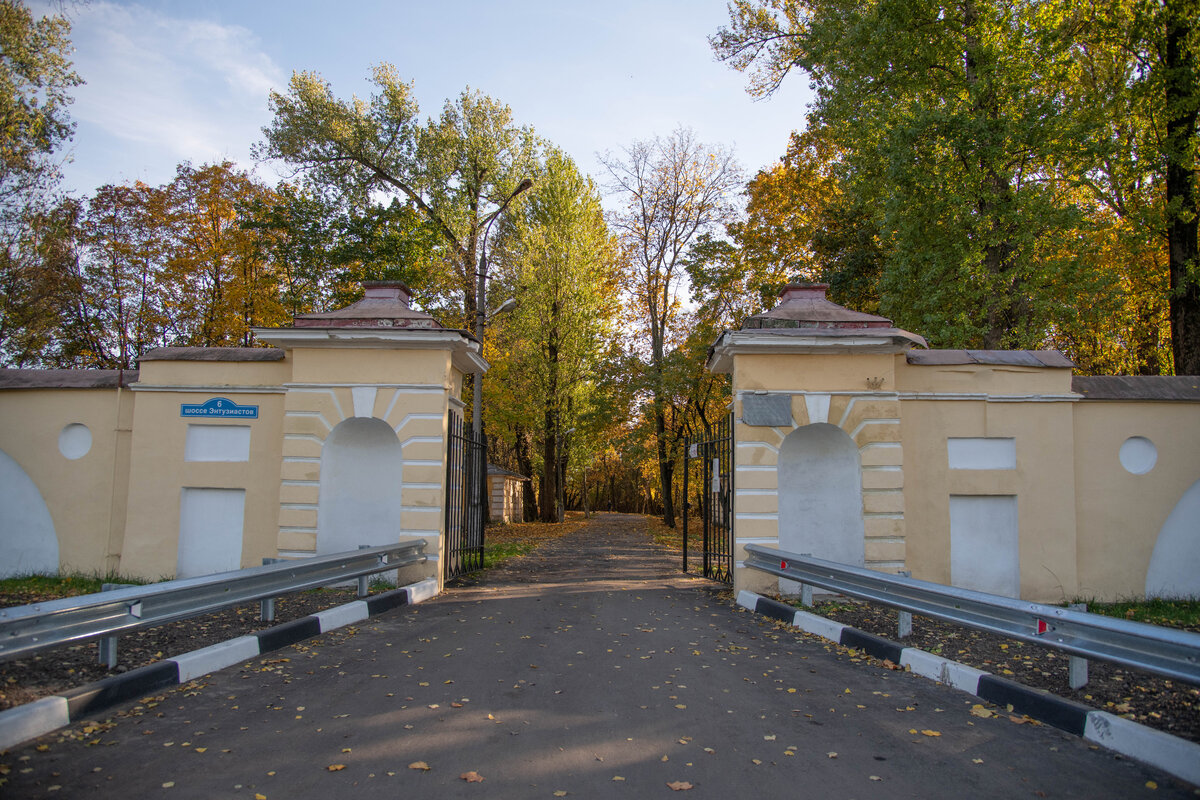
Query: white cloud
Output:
(163,88)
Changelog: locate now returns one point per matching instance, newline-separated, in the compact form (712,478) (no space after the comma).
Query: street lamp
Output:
(481,307)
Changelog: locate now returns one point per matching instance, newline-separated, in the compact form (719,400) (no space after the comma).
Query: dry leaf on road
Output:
(421,765)
(679,786)
(472,777)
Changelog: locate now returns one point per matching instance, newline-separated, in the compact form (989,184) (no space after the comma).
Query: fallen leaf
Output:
(336,767)
(679,786)
(560,793)
(928,732)
(421,765)
(472,777)
(617,778)
(875,778)
(168,784)
(259,796)
(1151,785)
(976,760)
(831,755)
(979,711)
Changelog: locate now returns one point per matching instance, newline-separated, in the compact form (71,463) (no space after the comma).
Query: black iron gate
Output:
(466,472)
(708,461)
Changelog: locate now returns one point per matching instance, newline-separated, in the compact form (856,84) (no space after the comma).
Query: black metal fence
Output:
(708,496)
(466,474)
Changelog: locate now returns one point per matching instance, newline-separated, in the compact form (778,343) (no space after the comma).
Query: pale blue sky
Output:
(169,80)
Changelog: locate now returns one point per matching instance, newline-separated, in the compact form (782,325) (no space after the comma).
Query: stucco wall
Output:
(154,476)
(989,475)
(84,495)
(159,470)
(1120,513)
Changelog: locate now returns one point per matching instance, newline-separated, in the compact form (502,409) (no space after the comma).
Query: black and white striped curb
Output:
(48,714)
(1177,756)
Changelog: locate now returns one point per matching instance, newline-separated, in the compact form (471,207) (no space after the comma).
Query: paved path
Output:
(590,668)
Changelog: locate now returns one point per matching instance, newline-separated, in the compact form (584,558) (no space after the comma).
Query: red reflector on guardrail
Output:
(783,565)
(1042,627)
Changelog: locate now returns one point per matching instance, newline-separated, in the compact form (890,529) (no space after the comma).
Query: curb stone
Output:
(1171,754)
(48,714)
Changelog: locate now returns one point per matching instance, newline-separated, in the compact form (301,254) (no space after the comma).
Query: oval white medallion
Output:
(1138,455)
(75,441)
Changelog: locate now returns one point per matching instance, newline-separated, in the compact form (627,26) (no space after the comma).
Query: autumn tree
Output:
(949,119)
(122,242)
(672,190)
(36,79)
(35,83)
(215,283)
(1012,161)
(454,170)
(557,258)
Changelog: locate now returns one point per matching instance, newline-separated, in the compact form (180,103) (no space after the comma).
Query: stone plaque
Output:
(768,410)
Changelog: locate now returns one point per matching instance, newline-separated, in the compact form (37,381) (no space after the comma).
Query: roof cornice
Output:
(464,348)
(810,341)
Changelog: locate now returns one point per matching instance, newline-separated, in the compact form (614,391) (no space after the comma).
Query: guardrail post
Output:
(904,618)
(266,606)
(364,580)
(106,652)
(806,592)
(1077,667)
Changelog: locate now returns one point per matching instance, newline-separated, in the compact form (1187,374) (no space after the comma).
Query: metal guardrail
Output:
(24,629)
(1166,651)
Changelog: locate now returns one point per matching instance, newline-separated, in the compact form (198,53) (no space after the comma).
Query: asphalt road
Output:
(592,669)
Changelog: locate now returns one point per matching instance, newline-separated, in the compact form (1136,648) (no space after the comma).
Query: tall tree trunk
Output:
(549,510)
(525,466)
(665,464)
(1183,105)
(549,494)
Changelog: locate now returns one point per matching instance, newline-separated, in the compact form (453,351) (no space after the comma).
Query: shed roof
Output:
(1138,387)
(1007,358)
(66,378)
(213,354)
(508,473)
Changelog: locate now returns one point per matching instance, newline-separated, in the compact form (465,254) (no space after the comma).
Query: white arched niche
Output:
(359,500)
(1175,564)
(27,537)
(820,496)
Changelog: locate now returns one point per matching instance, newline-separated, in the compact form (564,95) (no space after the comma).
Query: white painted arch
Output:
(1175,564)
(359,499)
(28,541)
(820,494)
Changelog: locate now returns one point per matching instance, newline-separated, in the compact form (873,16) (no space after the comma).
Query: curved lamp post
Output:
(481,307)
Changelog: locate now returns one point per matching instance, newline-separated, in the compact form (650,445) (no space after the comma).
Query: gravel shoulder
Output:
(56,670)
(1153,701)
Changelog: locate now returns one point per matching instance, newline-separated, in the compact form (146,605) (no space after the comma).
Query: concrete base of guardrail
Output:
(1179,757)
(48,714)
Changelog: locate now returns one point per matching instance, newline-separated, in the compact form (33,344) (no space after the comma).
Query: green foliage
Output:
(557,259)
(1171,613)
(35,81)
(990,174)
(25,589)
(454,171)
